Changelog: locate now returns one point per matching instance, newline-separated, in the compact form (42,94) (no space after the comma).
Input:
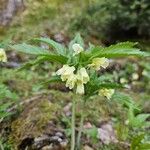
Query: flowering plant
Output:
(79,68)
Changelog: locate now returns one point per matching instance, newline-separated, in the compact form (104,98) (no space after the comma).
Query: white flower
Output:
(77,48)
(135,76)
(71,81)
(99,62)
(65,72)
(123,80)
(106,92)
(3,57)
(145,73)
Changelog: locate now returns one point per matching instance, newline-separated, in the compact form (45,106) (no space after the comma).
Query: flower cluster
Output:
(78,77)
(3,57)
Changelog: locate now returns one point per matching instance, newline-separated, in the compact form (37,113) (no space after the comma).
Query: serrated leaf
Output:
(123,45)
(30,49)
(52,58)
(59,48)
(118,50)
(110,85)
(136,141)
(5,114)
(142,117)
(125,100)
(139,120)
(4,106)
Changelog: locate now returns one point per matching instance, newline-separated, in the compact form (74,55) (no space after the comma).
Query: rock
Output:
(67,109)
(9,9)
(86,147)
(106,134)
(87,125)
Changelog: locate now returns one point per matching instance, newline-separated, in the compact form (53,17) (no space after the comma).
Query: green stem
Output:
(73,125)
(81,126)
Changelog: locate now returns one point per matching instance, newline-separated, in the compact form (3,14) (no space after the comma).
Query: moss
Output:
(32,121)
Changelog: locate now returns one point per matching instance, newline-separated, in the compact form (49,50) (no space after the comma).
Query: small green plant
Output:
(138,143)
(9,97)
(5,93)
(4,146)
(79,71)
(139,120)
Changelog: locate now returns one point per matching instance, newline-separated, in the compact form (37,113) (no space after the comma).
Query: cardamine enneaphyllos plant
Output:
(78,71)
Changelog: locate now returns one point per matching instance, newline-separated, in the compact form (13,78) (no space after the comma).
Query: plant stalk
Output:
(81,126)
(73,125)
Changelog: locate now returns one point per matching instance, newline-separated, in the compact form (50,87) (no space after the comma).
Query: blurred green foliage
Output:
(115,20)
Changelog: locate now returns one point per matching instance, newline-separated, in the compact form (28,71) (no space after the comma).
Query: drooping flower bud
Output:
(77,48)
(106,92)
(65,72)
(82,78)
(99,62)
(71,81)
(80,88)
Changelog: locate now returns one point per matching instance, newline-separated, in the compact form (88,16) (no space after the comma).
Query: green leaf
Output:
(142,117)
(4,106)
(59,48)
(118,50)
(125,100)
(5,114)
(52,80)
(144,146)
(30,49)
(110,85)
(139,120)
(136,141)
(52,58)
(91,132)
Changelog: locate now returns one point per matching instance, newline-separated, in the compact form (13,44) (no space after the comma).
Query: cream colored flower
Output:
(135,76)
(82,78)
(106,92)
(3,57)
(77,48)
(80,88)
(65,72)
(99,62)
(71,81)
(123,80)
